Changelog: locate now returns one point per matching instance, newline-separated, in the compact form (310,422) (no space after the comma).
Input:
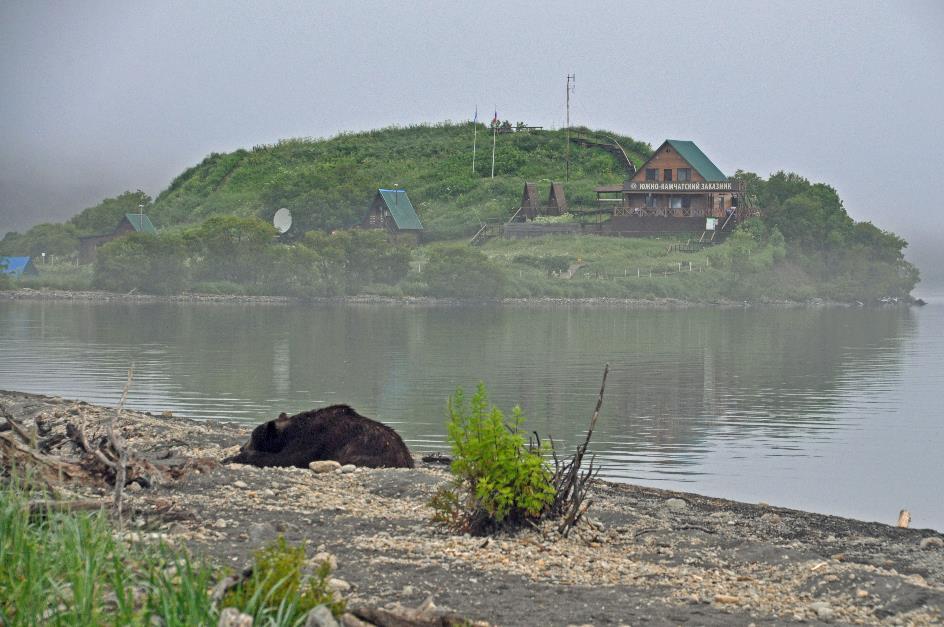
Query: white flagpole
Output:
(475,128)
(494,133)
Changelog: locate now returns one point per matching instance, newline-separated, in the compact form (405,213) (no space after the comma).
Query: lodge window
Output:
(684,174)
(675,202)
(650,174)
(686,202)
(667,174)
(650,200)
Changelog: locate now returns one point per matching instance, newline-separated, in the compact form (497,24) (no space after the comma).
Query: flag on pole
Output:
(475,118)
(495,119)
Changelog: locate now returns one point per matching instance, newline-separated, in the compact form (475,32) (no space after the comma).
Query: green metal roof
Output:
(697,159)
(400,207)
(141,223)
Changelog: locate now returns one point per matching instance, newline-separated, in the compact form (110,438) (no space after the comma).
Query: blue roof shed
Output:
(18,266)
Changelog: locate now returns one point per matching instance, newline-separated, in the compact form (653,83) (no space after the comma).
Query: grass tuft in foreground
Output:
(67,568)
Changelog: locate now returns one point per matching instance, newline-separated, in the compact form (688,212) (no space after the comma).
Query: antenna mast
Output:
(571,80)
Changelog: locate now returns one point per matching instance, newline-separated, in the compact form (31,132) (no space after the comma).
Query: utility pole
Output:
(571,79)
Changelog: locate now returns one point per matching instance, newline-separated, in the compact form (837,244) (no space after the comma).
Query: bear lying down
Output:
(336,432)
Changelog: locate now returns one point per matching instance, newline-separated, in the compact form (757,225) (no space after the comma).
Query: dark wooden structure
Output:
(131,223)
(392,211)
(532,207)
(556,201)
(530,203)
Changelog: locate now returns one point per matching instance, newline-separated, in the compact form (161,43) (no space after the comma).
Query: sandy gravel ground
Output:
(645,556)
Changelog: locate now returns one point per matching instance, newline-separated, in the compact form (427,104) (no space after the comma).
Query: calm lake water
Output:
(832,410)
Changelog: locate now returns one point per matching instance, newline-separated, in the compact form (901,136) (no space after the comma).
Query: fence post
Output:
(637,273)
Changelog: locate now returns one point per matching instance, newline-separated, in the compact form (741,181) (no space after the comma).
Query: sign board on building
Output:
(710,223)
(656,186)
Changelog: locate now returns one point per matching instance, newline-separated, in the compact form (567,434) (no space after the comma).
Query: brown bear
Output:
(336,432)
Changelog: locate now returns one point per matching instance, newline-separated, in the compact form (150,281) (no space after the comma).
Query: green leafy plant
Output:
(501,479)
(278,587)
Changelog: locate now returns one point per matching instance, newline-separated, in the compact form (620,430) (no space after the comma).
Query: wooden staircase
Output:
(611,146)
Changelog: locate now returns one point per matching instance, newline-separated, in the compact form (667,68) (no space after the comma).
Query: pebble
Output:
(726,598)
(220,523)
(260,533)
(268,493)
(771,519)
(676,505)
(823,610)
(324,556)
(407,591)
(348,469)
(231,617)
(324,466)
(320,616)
(338,585)
(242,485)
(932,542)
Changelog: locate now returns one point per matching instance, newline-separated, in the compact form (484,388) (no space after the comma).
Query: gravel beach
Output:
(644,556)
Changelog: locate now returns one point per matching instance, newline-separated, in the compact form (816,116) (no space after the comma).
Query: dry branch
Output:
(571,481)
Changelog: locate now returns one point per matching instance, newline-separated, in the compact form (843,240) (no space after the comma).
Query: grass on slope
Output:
(328,183)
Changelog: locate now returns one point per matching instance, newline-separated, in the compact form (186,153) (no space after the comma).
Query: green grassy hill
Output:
(328,183)
(215,232)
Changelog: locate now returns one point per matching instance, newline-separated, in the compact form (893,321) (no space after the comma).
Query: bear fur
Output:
(336,432)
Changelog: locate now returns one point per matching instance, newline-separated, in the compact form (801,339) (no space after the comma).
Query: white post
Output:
(494,134)
(475,128)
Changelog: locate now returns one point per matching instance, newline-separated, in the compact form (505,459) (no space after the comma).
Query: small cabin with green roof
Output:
(131,223)
(678,181)
(392,211)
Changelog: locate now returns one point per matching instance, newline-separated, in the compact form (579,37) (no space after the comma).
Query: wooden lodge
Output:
(392,211)
(679,182)
(131,223)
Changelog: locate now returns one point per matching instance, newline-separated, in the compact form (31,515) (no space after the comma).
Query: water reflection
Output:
(765,386)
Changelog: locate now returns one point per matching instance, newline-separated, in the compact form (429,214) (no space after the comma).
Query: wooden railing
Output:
(660,212)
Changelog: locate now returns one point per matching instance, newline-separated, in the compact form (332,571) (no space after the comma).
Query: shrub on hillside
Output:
(348,260)
(462,272)
(142,262)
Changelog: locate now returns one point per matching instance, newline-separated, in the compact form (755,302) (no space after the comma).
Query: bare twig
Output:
(570,480)
(119,446)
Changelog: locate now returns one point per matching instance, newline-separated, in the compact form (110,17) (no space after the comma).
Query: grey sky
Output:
(99,97)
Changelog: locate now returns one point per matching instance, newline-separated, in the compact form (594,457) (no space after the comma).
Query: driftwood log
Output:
(426,615)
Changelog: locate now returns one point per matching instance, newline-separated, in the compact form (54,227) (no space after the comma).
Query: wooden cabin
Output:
(131,223)
(678,181)
(392,211)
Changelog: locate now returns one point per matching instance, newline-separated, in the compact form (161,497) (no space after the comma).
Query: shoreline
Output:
(98,296)
(644,555)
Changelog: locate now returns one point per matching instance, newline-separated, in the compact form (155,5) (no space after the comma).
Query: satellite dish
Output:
(282,220)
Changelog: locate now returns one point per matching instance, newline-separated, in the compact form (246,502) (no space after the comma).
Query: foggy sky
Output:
(100,97)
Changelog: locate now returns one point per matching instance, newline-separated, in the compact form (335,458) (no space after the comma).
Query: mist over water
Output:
(833,410)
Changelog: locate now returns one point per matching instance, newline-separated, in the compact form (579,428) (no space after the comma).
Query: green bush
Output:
(464,272)
(278,586)
(500,479)
(139,261)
